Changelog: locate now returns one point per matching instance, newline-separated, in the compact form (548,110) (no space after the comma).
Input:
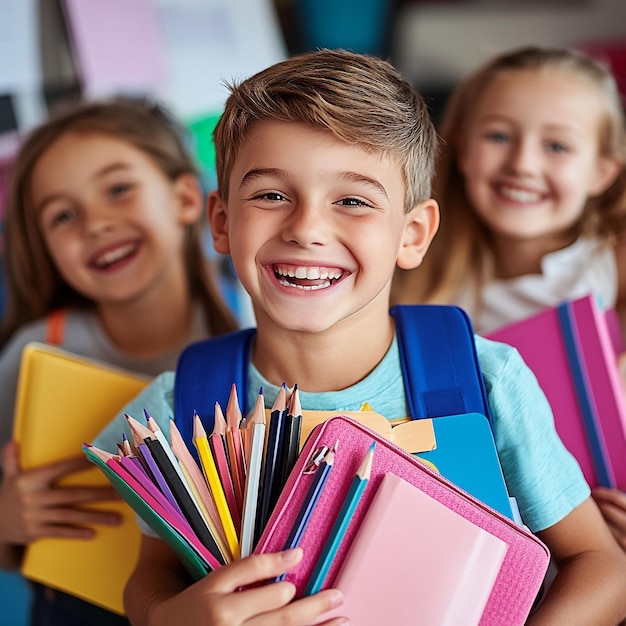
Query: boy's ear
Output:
(607,171)
(420,226)
(190,198)
(218,218)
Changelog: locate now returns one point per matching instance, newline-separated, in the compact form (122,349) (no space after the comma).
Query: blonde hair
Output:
(34,285)
(361,99)
(458,251)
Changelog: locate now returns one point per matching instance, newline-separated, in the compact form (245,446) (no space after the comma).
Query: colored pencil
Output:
(235,447)
(338,531)
(111,466)
(160,436)
(186,502)
(311,499)
(196,480)
(293,430)
(271,472)
(253,476)
(138,430)
(142,478)
(215,485)
(157,475)
(218,448)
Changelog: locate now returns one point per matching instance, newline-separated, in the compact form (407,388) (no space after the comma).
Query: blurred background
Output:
(180,51)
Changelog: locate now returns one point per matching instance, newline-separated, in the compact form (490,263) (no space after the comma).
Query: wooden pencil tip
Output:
(280,403)
(198,428)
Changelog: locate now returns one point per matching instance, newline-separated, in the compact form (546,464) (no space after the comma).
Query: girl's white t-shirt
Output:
(586,266)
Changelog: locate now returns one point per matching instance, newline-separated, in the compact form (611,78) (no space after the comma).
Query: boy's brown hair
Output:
(361,99)
(34,285)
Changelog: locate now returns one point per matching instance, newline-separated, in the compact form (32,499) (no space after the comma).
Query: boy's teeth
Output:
(307,272)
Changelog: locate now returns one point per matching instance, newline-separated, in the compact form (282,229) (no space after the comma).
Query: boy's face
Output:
(315,226)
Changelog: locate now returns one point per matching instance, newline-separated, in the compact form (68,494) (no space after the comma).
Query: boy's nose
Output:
(306,225)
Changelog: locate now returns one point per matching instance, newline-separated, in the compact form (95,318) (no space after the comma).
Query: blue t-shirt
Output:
(539,472)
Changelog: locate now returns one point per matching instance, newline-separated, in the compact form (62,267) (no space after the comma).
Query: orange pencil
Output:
(235,448)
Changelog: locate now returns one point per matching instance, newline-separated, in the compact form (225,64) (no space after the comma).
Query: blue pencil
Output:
(359,482)
(310,501)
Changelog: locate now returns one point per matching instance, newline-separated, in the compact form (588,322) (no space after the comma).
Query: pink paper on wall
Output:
(118,45)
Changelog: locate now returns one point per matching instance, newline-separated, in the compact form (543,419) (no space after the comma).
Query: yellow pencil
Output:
(212,477)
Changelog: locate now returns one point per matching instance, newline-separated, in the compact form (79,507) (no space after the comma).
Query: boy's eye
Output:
(272,196)
(353,202)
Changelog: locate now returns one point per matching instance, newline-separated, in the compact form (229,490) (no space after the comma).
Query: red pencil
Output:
(217,445)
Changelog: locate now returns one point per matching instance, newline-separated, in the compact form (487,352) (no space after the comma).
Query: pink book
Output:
(440,570)
(577,370)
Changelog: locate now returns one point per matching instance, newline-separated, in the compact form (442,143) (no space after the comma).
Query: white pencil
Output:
(253,477)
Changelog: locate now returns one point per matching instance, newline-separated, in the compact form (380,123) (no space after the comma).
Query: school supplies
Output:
(271,467)
(441,573)
(235,446)
(523,566)
(62,401)
(321,474)
(172,528)
(217,443)
(253,476)
(340,526)
(325,514)
(570,350)
(442,379)
(213,480)
(293,431)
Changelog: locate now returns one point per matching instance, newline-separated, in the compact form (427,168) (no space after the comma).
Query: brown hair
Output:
(361,99)
(457,252)
(34,285)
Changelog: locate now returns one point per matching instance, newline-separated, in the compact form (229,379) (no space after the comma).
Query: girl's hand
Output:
(612,503)
(31,507)
(215,600)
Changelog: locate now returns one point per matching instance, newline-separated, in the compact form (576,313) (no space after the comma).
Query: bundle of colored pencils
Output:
(210,512)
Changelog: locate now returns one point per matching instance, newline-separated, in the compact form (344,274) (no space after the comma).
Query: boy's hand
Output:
(31,507)
(215,600)
(612,503)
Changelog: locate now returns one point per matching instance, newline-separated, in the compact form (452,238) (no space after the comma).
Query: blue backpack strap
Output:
(437,352)
(439,362)
(205,373)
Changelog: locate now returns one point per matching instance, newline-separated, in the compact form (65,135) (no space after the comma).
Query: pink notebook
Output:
(439,572)
(524,562)
(577,370)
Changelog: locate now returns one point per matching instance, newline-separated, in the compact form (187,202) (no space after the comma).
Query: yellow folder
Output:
(63,401)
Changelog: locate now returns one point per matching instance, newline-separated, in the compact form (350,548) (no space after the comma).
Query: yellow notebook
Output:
(63,401)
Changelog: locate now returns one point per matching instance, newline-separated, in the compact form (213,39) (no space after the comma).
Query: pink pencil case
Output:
(523,567)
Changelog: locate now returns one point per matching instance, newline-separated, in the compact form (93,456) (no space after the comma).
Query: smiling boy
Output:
(324,164)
